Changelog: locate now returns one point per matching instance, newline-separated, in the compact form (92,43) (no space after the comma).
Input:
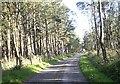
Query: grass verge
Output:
(14,76)
(92,74)
(111,68)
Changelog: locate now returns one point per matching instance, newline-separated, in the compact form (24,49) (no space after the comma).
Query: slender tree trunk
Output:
(15,44)
(43,46)
(29,45)
(55,47)
(1,52)
(38,49)
(47,51)
(49,44)
(0,47)
(118,38)
(96,31)
(25,35)
(9,48)
(31,48)
(20,40)
(6,49)
(34,35)
(40,45)
(101,33)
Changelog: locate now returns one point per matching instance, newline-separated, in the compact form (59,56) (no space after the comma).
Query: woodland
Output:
(36,32)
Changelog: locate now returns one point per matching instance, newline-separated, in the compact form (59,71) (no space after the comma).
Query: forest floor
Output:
(65,72)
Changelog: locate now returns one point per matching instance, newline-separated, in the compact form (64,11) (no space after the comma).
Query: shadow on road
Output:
(64,72)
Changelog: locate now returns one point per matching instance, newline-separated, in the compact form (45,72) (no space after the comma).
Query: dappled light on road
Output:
(65,71)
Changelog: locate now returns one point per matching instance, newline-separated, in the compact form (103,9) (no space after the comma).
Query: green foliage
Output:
(88,41)
(92,73)
(111,69)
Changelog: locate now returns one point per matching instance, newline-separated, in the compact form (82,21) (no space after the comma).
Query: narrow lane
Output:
(64,72)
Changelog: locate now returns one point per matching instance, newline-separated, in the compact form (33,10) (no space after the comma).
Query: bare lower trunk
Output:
(15,44)
(104,52)
(8,44)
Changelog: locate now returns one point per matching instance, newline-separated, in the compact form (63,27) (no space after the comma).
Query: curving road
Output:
(64,72)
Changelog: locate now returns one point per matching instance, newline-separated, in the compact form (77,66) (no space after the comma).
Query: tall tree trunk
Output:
(101,39)
(16,49)
(40,52)
(20,40)
(9,48)
(50,48)
(25,37)
(55,45)
(34,35)
(0,54)
(118,38)
(96,31)
(17,36)
(47,51)
(0,47)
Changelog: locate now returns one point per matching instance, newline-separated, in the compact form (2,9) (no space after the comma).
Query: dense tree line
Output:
(42,29)
(105,19)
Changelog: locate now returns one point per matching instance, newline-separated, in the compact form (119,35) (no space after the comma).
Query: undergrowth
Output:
(15,76)
(111,69)
(93,74)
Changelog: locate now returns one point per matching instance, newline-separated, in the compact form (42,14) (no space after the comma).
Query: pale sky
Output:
(81,19)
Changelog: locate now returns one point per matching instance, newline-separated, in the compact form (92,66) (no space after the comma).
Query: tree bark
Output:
(47,51)
(101,39)
(16,49)
(96,31)
(34,35)
(118,38)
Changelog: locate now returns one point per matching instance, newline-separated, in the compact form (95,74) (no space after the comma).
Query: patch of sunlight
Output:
(86,62)
(72,72)
(51,70)
(62,65)
(58,59)
(68,64)
(84,57)
(16,80)
(90,69)
(35,70)
(45,63)
(51,79)
(42,66)
(56,79)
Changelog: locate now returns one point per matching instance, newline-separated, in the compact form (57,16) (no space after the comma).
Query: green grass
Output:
(91,73)
(18,76)
(111,69)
